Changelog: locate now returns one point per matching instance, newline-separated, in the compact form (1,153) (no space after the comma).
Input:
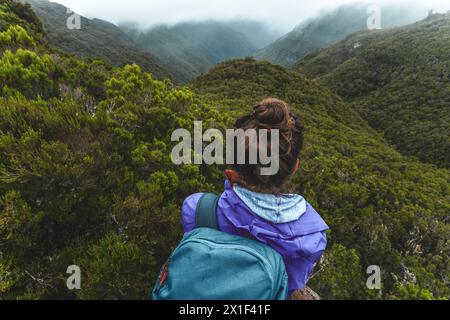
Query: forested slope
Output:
(398,80)
(96,39)
(85,171)
(328,28)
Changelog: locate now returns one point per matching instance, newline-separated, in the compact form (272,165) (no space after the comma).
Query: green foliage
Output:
(410,291)
(398,80)
(85,79)
(16,36)
(26,72)
(86,175)
(341,275)
(116,268)
(130,82)
(15,14)
(5,279)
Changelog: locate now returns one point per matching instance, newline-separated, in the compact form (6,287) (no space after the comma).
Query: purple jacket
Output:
(286,223)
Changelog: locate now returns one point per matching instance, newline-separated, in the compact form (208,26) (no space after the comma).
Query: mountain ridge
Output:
(330,27)
(96,39)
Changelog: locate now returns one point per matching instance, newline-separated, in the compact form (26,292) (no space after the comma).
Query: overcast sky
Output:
(282,15)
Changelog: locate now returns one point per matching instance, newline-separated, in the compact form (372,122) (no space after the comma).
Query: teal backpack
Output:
(213,265)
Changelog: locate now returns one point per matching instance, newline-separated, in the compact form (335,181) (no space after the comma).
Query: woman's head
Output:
(271,114)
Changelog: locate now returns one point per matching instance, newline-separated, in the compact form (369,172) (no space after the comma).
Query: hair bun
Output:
(273,113)
(270,114)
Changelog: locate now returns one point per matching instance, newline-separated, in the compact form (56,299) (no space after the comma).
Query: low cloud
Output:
(281,15)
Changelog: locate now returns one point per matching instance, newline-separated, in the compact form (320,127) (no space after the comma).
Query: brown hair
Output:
(271,114)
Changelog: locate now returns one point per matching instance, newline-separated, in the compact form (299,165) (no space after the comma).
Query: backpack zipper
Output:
(228,246)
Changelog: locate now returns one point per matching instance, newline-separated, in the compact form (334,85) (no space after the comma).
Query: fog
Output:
(280,15)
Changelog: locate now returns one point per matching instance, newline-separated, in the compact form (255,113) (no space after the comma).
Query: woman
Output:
(257,206)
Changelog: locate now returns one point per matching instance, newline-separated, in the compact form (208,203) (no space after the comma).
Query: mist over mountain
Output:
(96,39)
(331,27)
(185,50)
(191,48)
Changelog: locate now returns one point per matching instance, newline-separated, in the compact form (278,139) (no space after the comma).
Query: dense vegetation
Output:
(399,80)
(86,176)
(331,27)
(97,39)
(85,171)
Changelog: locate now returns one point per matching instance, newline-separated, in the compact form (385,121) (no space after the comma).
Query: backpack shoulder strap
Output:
(206,212)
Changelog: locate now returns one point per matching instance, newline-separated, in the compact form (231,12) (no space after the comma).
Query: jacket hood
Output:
(243,214)
(281,208)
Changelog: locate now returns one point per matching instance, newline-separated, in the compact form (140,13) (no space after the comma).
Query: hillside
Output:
(399,82)
(86,176)
(96,39)
(331,27)
(191,48)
